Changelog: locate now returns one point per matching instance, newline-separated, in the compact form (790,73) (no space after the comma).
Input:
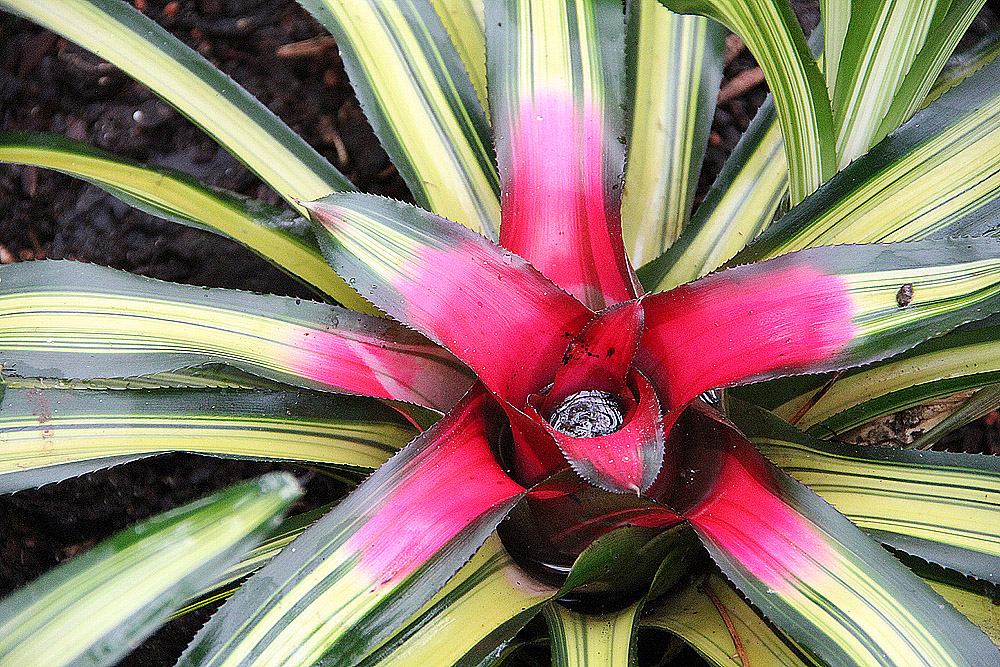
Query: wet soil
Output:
(48,84)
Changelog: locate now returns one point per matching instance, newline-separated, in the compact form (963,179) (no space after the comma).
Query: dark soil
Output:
(49,84)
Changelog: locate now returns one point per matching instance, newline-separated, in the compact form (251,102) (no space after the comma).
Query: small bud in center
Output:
(588,414)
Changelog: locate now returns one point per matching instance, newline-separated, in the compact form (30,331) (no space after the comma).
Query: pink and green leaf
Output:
(817,310)
(486,305)
(356,576)
(555,103)
(77,321)
(810,571)
(50,434)
(938,506)
(421,103)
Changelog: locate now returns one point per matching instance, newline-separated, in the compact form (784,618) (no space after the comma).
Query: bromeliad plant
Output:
(579,470)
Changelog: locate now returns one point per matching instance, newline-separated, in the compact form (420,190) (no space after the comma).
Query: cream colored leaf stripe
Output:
(939,175)
(882,50)
(739,206)
(416,92)
(98,606)
(773,35)
(675,72)
(698,614)
(482,606)
(888,300)
(954,505)
(591,640)
(46,429)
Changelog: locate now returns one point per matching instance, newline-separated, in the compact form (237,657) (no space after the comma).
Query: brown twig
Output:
(740,84)
(814,399)
(307,48)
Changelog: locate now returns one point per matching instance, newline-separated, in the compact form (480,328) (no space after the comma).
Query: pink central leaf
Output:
(554,205)
(601,355)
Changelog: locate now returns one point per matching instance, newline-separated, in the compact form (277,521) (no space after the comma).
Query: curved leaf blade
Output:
(269,231)
(72,320)
(117,32)
(772,32)
(879,49)
(50,434)
(712,617)
(478,611)
(589,640)
(95,608)
(932,58)
(963,360)
(739,206)
(421,103)
(937,176)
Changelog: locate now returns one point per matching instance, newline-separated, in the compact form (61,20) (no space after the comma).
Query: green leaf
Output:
(465,22)
(935,505)
(739,206)
(674,66)
(479,610)
(50,434)
(98,606)
(117,32)
(937,176)
(274,233)
(591,640)
(714,619)
(418,97)
(76,321)
(771,31)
